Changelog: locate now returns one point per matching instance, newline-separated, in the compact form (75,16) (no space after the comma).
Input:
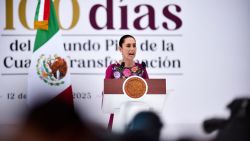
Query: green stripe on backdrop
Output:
(42,36)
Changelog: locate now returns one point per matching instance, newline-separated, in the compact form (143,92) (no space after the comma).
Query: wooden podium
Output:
(114,97)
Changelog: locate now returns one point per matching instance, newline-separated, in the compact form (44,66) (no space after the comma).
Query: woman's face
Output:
(128,49)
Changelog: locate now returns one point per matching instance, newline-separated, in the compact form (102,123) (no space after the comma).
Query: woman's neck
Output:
(128,63)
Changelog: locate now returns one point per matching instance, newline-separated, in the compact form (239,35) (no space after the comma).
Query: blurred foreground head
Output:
(145,126)
(55,121)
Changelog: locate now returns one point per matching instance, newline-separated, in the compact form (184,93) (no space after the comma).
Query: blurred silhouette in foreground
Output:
(55,121)
(145,126)
(58,121)
(236,127)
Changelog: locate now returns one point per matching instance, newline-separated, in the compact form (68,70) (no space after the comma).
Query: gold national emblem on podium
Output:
(135,87)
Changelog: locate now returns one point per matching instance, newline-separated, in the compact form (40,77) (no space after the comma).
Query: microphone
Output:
(143,65)
(123,64)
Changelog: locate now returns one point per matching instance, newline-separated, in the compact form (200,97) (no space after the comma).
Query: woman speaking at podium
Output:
(127,66)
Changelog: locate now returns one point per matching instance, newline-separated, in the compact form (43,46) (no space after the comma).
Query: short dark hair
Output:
(121,41)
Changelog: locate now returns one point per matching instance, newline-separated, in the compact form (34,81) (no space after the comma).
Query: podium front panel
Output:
(113,96)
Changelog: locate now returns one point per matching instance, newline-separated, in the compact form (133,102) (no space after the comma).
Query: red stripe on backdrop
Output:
(65,96)
(46,10)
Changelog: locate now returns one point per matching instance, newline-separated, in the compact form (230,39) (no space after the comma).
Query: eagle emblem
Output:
(52,69)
